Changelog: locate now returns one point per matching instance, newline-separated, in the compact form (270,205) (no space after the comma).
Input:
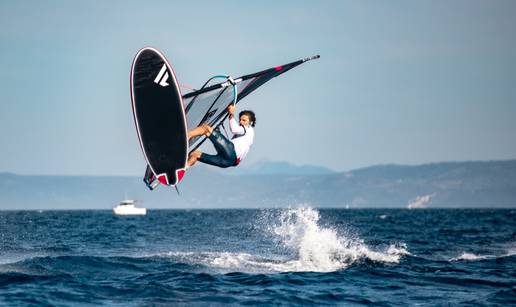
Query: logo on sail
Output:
(162,76)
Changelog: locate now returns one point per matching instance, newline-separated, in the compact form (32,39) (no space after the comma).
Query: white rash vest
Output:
(242,138)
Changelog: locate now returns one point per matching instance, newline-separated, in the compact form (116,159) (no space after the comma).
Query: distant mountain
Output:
(280,168)
(448,185)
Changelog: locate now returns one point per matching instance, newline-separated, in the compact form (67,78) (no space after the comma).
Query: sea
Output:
(281,257)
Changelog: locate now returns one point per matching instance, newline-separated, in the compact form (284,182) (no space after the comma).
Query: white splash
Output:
(420,201)
(506,252)
(322,249)
(308,246)
(470,257)
(511,251)
(13,258)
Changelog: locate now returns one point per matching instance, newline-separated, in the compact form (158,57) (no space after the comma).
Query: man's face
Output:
(244,120)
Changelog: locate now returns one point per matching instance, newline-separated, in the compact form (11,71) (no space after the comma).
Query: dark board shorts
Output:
(226,155)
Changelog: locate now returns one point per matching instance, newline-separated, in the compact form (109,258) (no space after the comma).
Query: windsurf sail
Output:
(208,105)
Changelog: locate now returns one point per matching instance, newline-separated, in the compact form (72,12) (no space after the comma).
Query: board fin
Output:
(150,179)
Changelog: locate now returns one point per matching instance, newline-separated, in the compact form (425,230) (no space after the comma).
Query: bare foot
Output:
(193,157)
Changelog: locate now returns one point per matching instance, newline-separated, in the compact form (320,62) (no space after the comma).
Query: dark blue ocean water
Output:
(298,256)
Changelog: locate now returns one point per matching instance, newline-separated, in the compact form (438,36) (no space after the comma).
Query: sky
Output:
(406,82)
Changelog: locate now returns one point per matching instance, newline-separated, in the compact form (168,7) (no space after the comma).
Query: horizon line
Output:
(271,161)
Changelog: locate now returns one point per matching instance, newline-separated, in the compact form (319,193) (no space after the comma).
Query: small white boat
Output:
(126,207)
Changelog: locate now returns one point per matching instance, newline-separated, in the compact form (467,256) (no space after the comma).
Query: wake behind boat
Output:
(127,207)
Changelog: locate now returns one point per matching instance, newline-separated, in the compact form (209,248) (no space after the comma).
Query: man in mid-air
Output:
(229,152)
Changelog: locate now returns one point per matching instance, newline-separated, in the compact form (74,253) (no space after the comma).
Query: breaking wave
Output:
(465,256)
(309,247)
(323,249)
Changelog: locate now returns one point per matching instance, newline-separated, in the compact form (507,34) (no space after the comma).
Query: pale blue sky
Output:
(398,81)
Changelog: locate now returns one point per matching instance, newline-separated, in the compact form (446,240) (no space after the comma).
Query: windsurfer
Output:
(229,152)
